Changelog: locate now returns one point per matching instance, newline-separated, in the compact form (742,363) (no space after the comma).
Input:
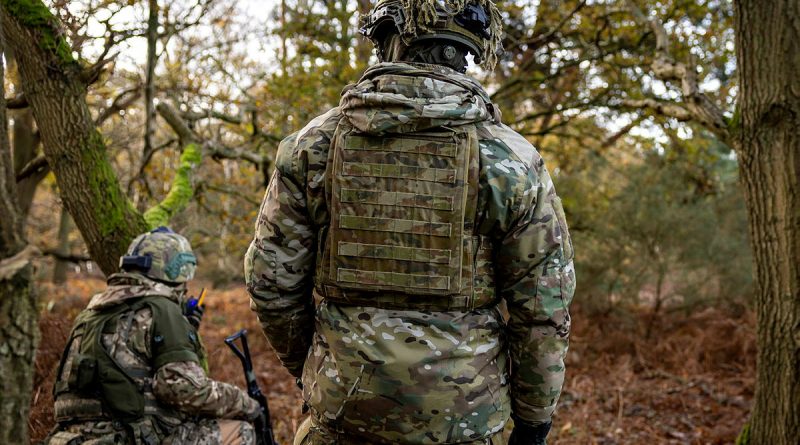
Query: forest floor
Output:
(690,382)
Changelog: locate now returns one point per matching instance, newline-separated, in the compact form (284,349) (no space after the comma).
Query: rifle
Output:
(264,434)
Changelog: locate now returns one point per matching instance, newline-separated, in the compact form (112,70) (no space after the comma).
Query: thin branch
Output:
(17,103)
(232,119)
(150,86)
(122,102)
(221,152)
(10,266)
(611,140)
(70,257)
(91,74)
(178,125)
(217,151)
(229,118)
(699,106)
(665,108)
(31,168)
(231,191)
(550,35)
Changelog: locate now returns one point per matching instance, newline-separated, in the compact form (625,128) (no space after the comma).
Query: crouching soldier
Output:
(131,373)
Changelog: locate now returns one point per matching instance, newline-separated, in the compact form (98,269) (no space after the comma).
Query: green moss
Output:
(181,191)
(37,18)
(735,122)
(744,436)
(117,220)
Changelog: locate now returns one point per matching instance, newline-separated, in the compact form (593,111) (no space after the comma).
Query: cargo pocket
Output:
(83,373)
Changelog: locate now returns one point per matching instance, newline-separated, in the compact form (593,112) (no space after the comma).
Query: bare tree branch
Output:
(699,106)
(122,102)
(150,86)
(70,257)
(17,103)
(221,152)
(34,166)
(178,125)
(229,118)
(551,34)
(216,151)
(91,74)
(665,108)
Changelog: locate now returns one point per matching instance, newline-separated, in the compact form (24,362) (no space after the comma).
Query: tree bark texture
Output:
(768,41)
(24,143)
(54,87)
(19,331)
(150,82)
(25,150)
(61,265)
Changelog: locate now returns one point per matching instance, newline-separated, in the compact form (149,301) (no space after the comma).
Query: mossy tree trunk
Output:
(61,265)
(19,332)
(55,88)
(768,41)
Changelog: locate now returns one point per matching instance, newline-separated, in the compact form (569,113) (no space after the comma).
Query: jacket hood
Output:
(404,98)
(125,286)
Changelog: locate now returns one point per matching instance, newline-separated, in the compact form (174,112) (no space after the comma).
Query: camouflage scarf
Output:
(123,286)
(404,98)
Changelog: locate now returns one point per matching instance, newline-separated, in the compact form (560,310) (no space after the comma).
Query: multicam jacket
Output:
(394,375)
(144,332)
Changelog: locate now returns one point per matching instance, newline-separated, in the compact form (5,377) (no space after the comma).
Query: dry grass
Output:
(690,383)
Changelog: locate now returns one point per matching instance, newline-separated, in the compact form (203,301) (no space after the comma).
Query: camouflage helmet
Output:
(476,24)
(162,255)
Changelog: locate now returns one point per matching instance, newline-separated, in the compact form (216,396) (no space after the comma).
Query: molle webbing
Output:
(402,213)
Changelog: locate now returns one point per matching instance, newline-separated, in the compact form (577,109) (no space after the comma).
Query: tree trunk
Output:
(56,90)
(64,227)
(19,332)
(768,41)
(25,150)
(25,143)
(150,82)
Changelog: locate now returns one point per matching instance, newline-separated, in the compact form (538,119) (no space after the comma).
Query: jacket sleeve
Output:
(537,279)
(279,265)
(184,386)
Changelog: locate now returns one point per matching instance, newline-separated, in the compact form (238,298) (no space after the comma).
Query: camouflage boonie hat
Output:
(162,255)
(477,24)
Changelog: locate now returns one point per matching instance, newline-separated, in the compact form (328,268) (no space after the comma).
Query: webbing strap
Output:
(70,407)
(396,171)
(400,199)
(432,282)
(399,301)
(394,225)
(406,145)
(399,253)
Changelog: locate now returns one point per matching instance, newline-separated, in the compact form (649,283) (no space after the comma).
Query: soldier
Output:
(131,371)
(396,228)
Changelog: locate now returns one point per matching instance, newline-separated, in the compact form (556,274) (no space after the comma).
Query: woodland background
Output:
(663,349)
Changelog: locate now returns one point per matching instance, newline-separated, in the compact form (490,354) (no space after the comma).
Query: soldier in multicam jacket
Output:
(393,232)
(131,369)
